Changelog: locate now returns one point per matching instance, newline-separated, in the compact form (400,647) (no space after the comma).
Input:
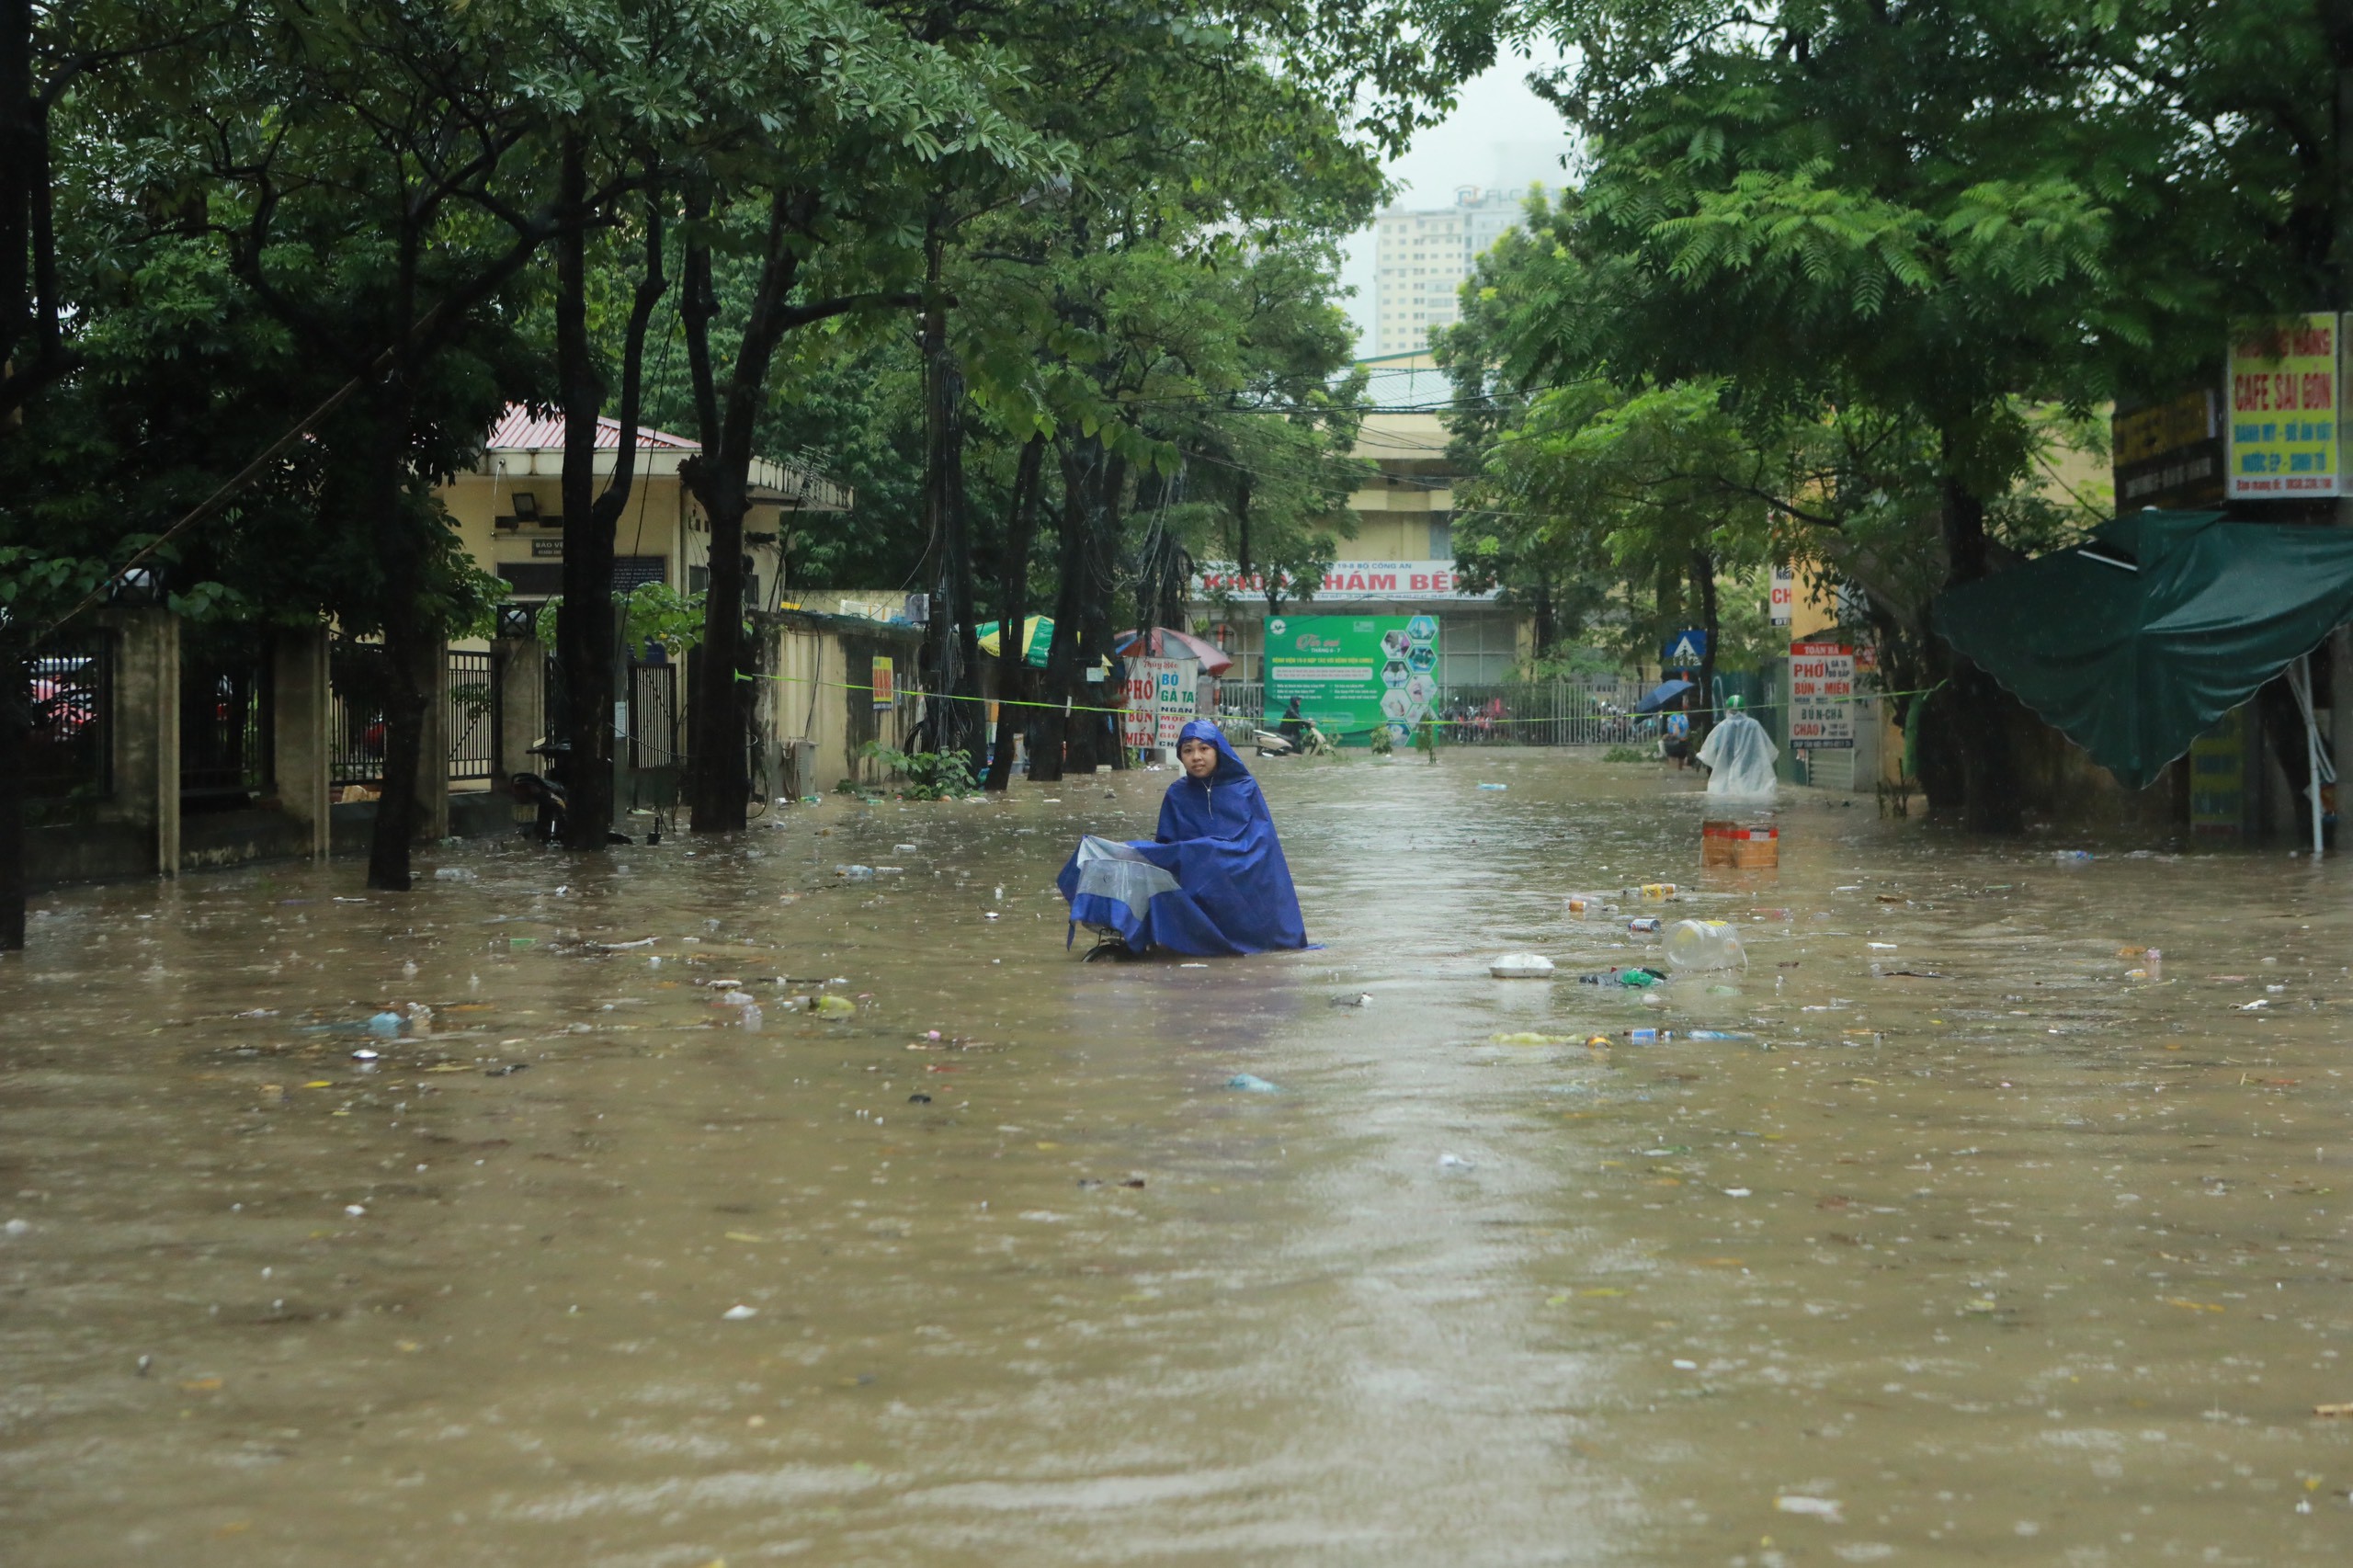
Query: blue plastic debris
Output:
(1250,1083)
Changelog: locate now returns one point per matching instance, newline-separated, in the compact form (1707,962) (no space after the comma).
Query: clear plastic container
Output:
(1704,944)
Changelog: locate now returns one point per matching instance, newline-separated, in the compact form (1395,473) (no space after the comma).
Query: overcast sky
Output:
(1500,135)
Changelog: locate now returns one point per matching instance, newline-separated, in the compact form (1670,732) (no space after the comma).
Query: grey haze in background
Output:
(1502,139)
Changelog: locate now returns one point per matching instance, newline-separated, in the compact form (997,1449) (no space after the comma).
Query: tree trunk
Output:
(1081,463)
(719,782)
(1670,599)
(2336,28)
(584,625)
(24,165)
(1099,742)
(1970,716)
(1703,578)
(718,770)
(413,641)
(1013,609)
(956,717)
(1242,531)
(15,716)
(587,634)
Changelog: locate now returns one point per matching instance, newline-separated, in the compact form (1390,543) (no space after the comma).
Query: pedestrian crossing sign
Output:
(1686,650)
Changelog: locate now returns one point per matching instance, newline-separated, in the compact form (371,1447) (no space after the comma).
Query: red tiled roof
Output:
(518,429)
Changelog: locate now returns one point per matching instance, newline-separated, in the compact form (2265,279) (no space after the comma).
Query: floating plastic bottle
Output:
(1704,944)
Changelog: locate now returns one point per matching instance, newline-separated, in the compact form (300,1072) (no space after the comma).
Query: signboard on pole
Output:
(1685,649)
(2284,438)
(886,683)
(1821,696)
(2168,453)
(1354,674)
(1160,698)
(1784,603)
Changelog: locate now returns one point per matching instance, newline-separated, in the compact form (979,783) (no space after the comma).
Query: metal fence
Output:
(225,717)
(470,716)
(1242,698)
(361,680)
(69,755)
(1540,713)
(1594,711)
(653,715)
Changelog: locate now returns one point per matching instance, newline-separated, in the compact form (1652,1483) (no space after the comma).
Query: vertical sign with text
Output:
(1160,698)
(2284,439)
(1821,696)
(1784,603)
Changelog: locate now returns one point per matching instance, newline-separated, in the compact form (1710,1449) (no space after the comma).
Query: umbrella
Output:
(1037,639)
(1663,694)
(1168,644)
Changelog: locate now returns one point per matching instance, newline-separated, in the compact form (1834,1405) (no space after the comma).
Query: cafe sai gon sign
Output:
(2285,428)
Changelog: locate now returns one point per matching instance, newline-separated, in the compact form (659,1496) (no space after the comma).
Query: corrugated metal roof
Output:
(518,429)
(1407,388)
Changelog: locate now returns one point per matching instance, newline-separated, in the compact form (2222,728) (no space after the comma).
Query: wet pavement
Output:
(1994,1253)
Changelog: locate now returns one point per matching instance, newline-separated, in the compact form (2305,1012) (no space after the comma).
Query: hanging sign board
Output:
(1785,594)
(2284,435)
(1821,696)
(885,682)
(2169,453)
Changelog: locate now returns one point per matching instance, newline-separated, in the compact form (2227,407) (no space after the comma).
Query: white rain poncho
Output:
(1739,755)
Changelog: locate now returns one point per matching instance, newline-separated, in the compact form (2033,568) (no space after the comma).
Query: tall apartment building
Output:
(1421,259)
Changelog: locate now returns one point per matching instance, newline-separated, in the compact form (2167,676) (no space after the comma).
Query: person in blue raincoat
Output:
(1212,881)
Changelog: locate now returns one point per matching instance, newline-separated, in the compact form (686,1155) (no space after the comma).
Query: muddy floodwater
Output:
(1971,1244)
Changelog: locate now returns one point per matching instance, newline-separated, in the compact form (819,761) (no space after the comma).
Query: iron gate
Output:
(470,717)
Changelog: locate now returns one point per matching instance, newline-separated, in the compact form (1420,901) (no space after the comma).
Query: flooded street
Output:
(1994,1255)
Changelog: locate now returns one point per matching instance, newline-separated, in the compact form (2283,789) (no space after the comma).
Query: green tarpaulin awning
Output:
(2133,644)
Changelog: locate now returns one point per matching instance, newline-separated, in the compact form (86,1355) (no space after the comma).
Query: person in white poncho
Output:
(1738,754)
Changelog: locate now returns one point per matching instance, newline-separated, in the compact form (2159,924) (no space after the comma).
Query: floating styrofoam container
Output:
(1521,966)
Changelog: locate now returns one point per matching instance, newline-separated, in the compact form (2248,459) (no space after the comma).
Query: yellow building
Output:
(811,716)
(508,509)
(1401,561)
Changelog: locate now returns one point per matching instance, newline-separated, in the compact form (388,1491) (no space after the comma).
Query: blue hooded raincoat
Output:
(1212,882)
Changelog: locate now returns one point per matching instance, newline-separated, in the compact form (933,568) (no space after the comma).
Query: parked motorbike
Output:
(547,792)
